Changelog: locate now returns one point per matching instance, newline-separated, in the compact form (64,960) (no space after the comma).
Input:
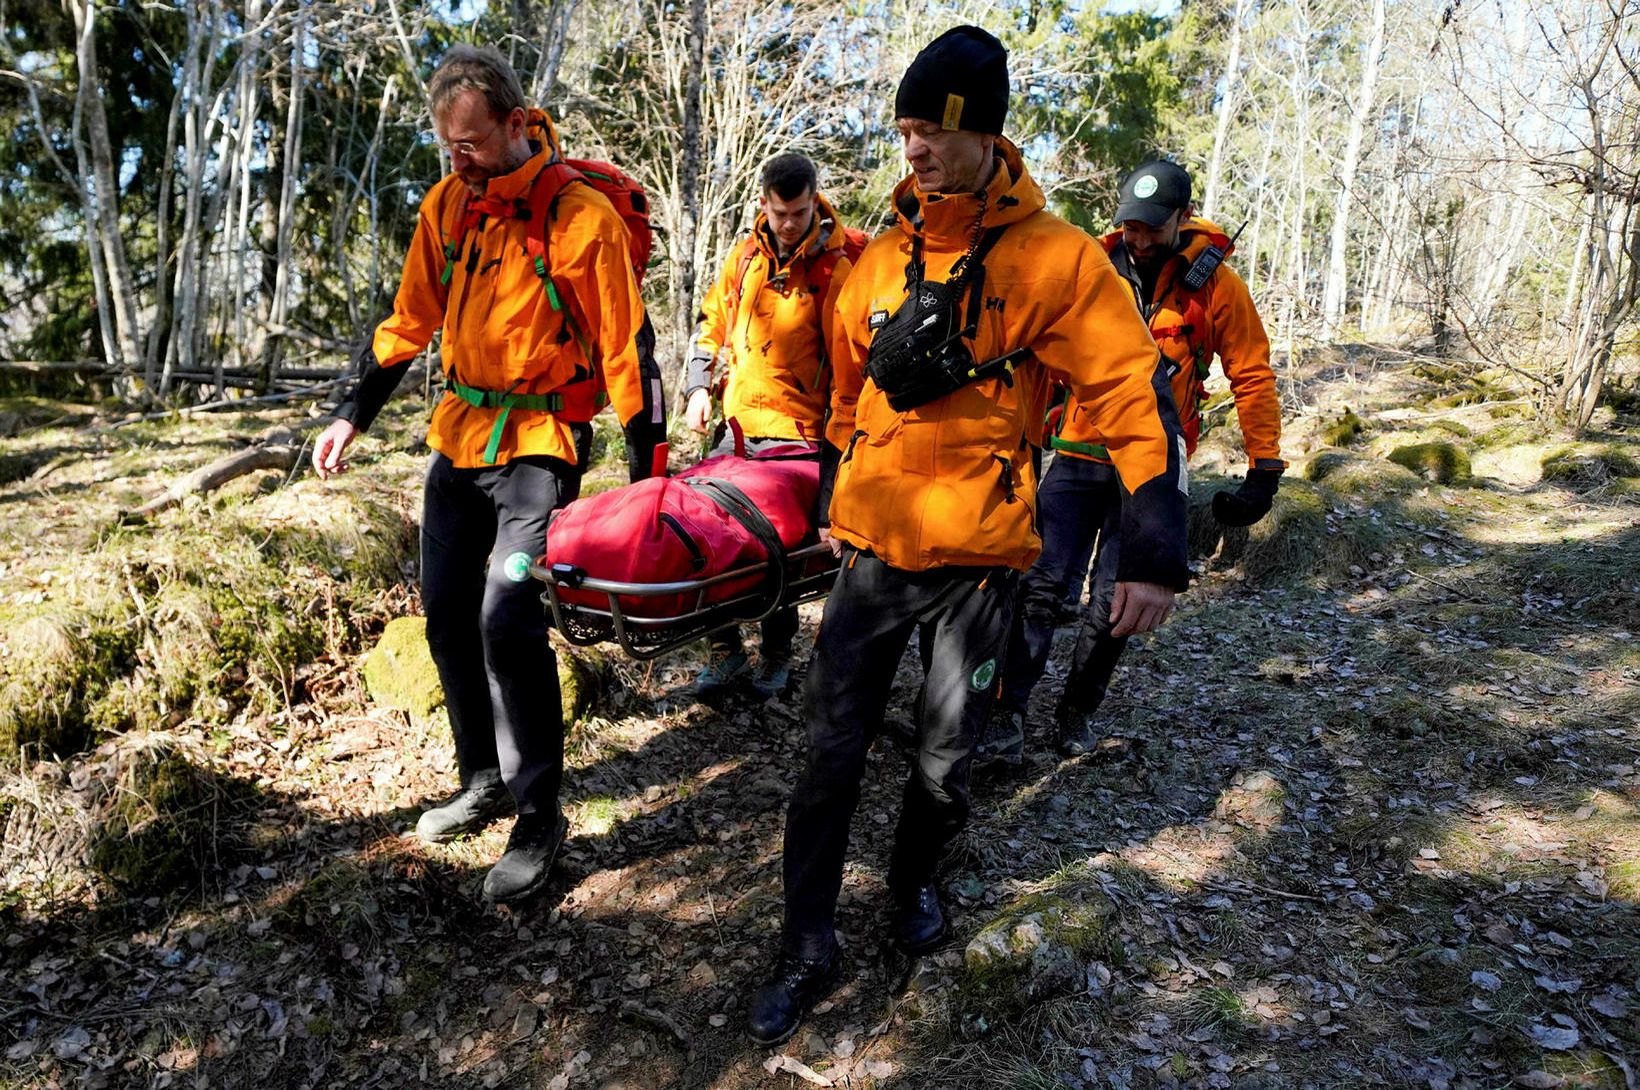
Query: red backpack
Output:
(581,400)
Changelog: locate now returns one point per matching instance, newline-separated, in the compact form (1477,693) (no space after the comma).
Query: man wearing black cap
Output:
(946,338)
(1197,307)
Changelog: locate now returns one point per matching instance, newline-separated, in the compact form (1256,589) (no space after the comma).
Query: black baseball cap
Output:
(1153,192)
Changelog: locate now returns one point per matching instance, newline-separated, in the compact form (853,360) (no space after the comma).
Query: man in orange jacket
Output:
(760,343)
(1161,249)
(525,343)
(947,336)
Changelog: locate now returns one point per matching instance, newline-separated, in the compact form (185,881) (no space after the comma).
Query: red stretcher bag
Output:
(725,513)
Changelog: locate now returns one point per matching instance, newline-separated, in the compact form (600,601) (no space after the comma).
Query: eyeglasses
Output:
(466,147)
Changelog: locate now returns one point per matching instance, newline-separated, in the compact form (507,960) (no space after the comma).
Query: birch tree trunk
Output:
(96,152)
(688,248)
(290,171)
(1332,302)
(1227,109)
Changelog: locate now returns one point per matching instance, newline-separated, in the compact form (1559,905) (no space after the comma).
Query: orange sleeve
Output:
(1244,354)
(712,324)
(590,257)
(1101,349)
(418,308)
(848,337)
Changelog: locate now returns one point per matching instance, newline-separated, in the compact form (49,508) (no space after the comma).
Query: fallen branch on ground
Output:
(279,449)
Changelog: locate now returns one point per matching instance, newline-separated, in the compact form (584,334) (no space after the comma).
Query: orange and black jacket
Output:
(1191,328)
(502,333)
(761,333)
(951,482)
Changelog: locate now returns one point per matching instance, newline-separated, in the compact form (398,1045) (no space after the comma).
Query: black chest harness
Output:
(921,353)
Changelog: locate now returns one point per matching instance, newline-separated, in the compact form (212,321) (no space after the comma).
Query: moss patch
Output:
(1344,430)
(399,671)
(1439,461)
(1587,466)
(1360,477)
(53,668)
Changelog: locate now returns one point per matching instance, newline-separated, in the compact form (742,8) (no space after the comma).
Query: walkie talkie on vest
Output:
(1202,269)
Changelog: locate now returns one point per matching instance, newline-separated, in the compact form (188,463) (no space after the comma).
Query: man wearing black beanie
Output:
(947,336)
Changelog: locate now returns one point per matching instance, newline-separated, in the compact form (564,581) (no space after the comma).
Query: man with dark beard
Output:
(1197,308)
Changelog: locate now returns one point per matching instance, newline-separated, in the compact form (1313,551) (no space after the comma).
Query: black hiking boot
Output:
(779,1005)
(466,811)
(917,924)
(523,870)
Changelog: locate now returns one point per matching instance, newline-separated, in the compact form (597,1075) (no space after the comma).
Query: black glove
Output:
(830,459)
(1249,503)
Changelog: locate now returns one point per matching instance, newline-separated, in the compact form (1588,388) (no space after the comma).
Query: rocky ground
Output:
(1371,815)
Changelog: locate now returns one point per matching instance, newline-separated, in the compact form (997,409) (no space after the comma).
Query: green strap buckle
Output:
(1092,450)
(506,402)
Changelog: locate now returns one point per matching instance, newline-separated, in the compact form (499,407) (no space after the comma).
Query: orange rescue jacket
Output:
(762,330)
(502,333)
(1191,328)
(951,482)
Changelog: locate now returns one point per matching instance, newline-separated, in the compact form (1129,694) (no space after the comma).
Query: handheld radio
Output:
(1201,270)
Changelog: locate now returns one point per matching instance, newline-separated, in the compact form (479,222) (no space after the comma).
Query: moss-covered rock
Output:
(168,817)
(1358,477)
(1343,431)
(1438,461)
(399,672)
(1587,466)
(1037,947)
(1253,800)
(583,677)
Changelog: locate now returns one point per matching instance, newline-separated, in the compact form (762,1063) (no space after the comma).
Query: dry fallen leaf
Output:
(793,1066)
(1554,1038)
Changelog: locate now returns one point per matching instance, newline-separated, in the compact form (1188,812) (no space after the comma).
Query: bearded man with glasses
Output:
(534,320)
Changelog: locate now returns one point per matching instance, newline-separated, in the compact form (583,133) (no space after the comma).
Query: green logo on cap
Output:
(517,566)
(1145,187)
(984,675)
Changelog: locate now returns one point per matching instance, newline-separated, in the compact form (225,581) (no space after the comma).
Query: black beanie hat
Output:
(958,81)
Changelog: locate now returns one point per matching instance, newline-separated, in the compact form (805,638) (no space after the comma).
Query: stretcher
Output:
(661,562)
(799,575)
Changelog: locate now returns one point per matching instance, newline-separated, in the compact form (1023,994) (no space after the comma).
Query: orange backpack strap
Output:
(737,287)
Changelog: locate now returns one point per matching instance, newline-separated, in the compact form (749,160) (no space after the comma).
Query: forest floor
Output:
(1374,819)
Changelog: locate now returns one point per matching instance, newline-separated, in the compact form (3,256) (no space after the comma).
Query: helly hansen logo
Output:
(995,303)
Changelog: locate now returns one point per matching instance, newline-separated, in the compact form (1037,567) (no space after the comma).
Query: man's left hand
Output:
(1250,502)
(1139,607)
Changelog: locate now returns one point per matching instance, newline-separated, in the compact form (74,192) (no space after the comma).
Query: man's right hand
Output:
(698,413)
(332,444)
(835,544)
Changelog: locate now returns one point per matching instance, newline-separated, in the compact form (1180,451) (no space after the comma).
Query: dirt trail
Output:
(1371,827)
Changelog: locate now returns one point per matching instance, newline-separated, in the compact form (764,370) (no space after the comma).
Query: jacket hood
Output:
(825,233)
(1011,196)
(1198,234)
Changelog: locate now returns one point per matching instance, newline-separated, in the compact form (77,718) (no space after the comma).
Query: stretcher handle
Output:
(575,578)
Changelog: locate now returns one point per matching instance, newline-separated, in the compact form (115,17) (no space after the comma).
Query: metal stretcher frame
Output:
(802,575)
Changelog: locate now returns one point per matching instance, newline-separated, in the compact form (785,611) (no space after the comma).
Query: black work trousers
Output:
(1080,508)
(486,629)
(961,619)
